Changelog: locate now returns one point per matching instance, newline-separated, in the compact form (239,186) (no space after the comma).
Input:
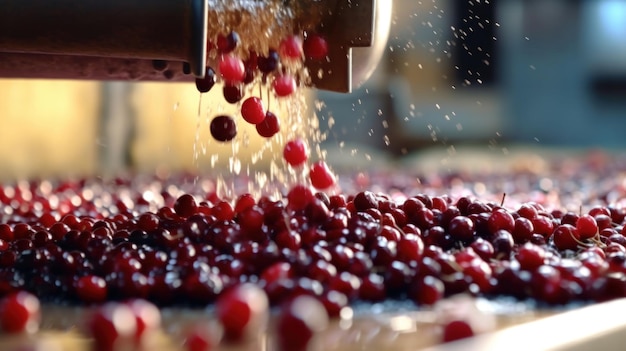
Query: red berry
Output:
(587,226)
(296,152)
(315,46)
(205,84)
(253,110)
(530,256)
(232,68)
(269,63)
(321,176)
(147,317)
(566,237)
(227,43)
(291,47)
(91,289)
(223,128)
(284,85)
(500,220)
(299,321)
(242,310)
(19,313)
(299,197)
(232,93)
(269,126)
(185,206)
(112,326)
(199,339)
(456,330)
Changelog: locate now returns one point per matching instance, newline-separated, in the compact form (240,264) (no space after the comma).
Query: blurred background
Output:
(457,72)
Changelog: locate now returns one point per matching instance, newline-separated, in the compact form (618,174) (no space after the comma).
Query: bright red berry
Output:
(112,325)
(299,321)
(19,313)
(296,152)
(587,226)
(242,310)
(252,110)
(269,126)
(91,289)
(284,85)
(321,176)
(232,68)
(456,330)
(299,197)
(147,317)
(315,47)
(291,47)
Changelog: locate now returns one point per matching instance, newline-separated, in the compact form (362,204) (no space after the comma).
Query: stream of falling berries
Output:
(386,240)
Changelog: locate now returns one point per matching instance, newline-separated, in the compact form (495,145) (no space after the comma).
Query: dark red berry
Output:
(269,126)
(315,46)
(232,93)
(223,128)
(227,43)
(207,82)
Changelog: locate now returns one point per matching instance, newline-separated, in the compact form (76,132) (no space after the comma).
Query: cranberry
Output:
(291,47)
(315,46)
(91,289)
(456,330)
(242,310)
(20,313)
(185,206)
(270,125)
(223,128)
(321,176)
(206,83)
(284,85)
(231,68)
(253,110)
(299,321)
(112,326)
(295,152)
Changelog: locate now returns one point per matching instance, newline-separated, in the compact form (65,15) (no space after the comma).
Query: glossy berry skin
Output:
(185,206)
(291,47)
(269,63)
(300,319)
(284,85)
(321,176)
(91,289)
(232,93)
(205,84)
(228,43)
(20,313)
(270,125)
(242,310)
(223,128)
(252,110)
(299,197)
(231,68)
(587,226)
(147,318)
(315,46)
(295,152)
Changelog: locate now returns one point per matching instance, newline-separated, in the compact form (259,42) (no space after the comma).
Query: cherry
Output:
(20,313)
(315,46)
(270,125)
(321,176)
(232,93)
(91,289)
(231,68)
(566,237)
(268,63)
(587,226)
(112,326)
(284,85)
(253,110)
(185,206)
(500,220)
(461,228)
(427,290)
(291,47)
(223,128)
(456,330)
(228,43)
(242,310)
(295,152)
(299,321)
(206,83)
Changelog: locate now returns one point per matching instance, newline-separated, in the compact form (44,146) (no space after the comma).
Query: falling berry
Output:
(232,68)
(295,152)
(269,126)
(315,47)
(228,43)
(284,85)
(253,110)
(242,310)
(291,47)
(205,84)
(321,176)
(223,128)
(268,63)
(232,93)
(20,313)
